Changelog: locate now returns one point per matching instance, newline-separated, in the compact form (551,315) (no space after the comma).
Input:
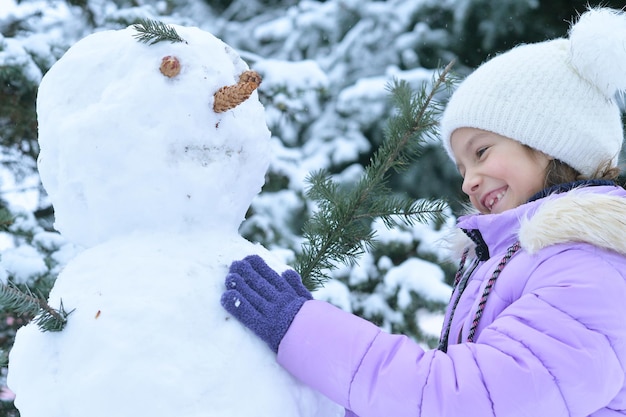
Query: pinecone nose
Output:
(230,96)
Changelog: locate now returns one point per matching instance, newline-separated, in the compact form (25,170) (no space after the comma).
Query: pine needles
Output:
(151,32)
(339,231)
(24,302)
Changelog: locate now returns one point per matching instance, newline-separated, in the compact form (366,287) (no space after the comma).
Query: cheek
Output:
(538,185)
(475,203)
(530,179)
(538,171)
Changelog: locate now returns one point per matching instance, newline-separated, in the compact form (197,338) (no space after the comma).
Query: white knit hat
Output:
(556,96)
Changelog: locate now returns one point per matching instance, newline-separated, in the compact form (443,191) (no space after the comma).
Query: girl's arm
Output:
(548,353)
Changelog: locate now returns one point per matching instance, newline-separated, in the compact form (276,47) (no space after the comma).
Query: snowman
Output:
(151,152)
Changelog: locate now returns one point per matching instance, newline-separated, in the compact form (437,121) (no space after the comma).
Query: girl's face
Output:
(498,173)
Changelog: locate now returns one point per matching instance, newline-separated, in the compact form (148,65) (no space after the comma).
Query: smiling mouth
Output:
(492,200)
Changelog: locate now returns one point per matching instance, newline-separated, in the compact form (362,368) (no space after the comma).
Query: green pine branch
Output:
(24,302)
(4,358)
(151,32)
(6,219)
(339,231)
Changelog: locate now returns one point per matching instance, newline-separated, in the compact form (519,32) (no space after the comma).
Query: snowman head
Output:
(150,136)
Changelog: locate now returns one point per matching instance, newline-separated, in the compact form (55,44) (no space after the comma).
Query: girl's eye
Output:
(481,151)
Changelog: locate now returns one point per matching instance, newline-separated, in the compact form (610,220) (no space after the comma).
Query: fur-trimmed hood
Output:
(595,215)
(578,216)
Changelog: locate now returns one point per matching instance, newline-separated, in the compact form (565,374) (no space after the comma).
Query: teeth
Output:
(494,200)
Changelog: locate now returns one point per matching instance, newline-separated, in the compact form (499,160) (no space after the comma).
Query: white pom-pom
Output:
(598,49)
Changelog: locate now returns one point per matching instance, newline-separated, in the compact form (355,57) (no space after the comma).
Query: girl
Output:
(536,325)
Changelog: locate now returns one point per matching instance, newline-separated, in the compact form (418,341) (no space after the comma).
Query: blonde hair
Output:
(558,172)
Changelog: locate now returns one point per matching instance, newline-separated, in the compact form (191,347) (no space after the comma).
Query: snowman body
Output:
(154,183)
(113,357)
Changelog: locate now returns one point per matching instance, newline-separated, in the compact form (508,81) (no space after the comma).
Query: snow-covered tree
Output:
(325,68)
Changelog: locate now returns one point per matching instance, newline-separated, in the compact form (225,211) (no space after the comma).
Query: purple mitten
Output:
(262,300)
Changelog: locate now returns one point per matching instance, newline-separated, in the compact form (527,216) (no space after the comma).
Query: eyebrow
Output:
(475,137)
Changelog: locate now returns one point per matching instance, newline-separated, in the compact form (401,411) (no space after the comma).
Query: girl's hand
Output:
(262,300)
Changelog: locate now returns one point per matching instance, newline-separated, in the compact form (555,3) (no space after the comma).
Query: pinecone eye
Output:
(170,66)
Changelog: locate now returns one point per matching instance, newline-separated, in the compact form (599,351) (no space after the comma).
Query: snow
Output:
(337,293)
(296,76)
(23,263)
(4,276)
(149,186)
(190,158)
(7,7)
(274,30)
(419,276)
(24,195)
(430,323)
(325,66)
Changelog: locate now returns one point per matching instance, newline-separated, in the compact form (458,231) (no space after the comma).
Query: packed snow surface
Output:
(153,184)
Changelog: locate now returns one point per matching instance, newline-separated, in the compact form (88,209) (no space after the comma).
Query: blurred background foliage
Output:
(330,114)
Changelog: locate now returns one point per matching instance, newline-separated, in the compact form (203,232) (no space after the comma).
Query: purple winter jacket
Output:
(551,341)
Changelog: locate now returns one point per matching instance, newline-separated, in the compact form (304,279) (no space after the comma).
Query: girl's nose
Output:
(471,183)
